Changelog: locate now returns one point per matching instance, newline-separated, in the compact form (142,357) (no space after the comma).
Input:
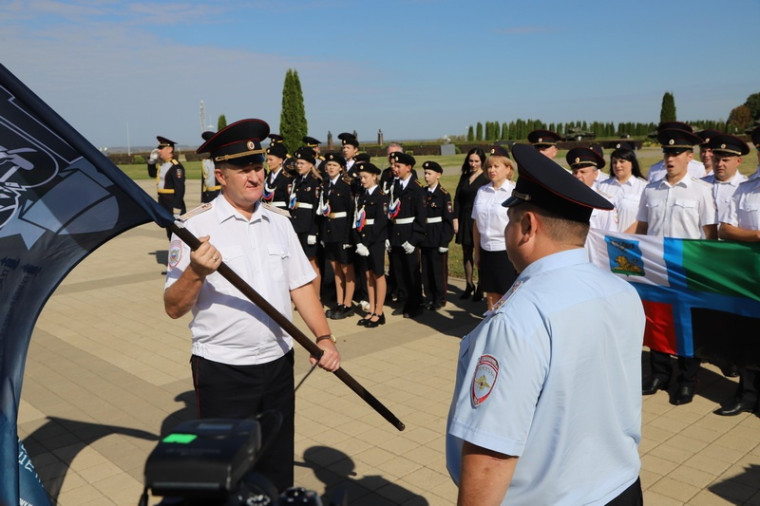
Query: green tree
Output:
(504,131)
(668,108)
(470,134)
(293,126)
(221,122)
(739,119)
(753,103)
(479,131)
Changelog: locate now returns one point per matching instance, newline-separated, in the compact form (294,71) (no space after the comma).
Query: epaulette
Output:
(420,183)
(443,190)
(198,210)
(277,210)
(175,161)
(348,179)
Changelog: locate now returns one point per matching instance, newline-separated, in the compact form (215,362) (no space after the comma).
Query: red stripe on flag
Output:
(660,333)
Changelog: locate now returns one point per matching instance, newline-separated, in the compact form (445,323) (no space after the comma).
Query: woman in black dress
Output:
(470,181)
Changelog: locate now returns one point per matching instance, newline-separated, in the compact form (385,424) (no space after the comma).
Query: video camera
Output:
(208,462)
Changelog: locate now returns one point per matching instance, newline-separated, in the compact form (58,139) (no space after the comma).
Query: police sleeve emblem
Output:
(175,253)
(484,379)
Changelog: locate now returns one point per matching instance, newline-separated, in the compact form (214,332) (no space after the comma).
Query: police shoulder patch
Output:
(484,379)
(175,253)
(274,209)
(198,210)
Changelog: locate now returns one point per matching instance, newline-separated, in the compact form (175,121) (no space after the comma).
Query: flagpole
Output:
(290,328)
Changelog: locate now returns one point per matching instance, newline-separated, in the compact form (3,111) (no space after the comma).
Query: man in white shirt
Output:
(695,168)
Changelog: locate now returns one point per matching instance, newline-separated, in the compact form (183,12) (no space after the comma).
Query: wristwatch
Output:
(330,337)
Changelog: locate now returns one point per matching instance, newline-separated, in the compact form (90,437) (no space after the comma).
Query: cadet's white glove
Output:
(408,248)
(322,243)
(311,240)
(153,158)
(442,249)
(387,245)
(346,246)
(362,250)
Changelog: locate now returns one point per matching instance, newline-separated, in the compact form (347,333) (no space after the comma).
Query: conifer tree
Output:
(293,126)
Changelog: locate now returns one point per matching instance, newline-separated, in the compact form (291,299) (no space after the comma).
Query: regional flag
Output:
(701,297)
(60,199)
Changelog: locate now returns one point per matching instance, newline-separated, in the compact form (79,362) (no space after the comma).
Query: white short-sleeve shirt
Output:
(723,191)
(678,211)
(266,253)
(490,216)
(626,198)
(744,208)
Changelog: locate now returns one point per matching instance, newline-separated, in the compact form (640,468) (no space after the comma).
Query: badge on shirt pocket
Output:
(484,379)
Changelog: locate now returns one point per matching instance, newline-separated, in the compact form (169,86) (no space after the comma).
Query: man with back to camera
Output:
(530,423)
(242,361)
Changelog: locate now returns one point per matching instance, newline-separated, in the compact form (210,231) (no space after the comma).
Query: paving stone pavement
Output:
(107,373)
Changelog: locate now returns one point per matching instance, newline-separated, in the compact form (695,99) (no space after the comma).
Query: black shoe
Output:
(654,384)
(331,311)
(364,321)
(340,312)
(477,296)
(735,407)
(413,313)
(467,293)
(429,305)
(684,395)
(439,304)
(372,324)
(730,371)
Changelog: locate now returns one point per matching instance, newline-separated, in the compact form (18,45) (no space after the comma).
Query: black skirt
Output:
(496,273)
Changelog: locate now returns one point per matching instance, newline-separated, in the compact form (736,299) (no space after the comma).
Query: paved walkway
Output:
(107,373)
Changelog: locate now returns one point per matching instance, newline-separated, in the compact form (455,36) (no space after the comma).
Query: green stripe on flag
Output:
(726,268)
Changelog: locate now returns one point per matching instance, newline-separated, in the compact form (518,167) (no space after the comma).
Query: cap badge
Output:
(672,141)
(577,159)
(722,146)
(250,145)
(540,139)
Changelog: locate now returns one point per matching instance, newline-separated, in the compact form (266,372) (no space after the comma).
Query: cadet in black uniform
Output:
(303,203)
(170,178)
(439,230)
(406,211)
(337,209)
(278,181)
(370,233)
(210,187)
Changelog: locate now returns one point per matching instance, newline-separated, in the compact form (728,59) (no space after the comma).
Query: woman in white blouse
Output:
(490,219)
(624,187)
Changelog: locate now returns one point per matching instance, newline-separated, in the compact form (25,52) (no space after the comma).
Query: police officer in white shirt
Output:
(657,171)
(242,361)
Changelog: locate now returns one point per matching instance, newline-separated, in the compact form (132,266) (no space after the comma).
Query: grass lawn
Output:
(451,169)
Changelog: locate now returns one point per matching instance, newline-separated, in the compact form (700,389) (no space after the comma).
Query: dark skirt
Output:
(309,249)
(334,251)
(375,262)
(464,233)
(496,273)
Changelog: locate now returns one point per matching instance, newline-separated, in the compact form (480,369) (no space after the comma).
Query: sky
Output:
(122,72)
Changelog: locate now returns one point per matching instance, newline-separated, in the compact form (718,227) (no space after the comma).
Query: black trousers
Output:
(434,275)
(663,368)
(632,496)
(231,391)
(410,280)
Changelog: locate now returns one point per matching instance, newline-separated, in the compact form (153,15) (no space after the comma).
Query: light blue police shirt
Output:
(553,376)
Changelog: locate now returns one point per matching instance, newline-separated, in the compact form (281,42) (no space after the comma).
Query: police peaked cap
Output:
(499,151)
(310,142)
(306,153)
(164,142)
(432,166)
(279,150)
(348,138)
(404,158)
(362,157)
(706,135)
(544,184)
(276,139)
(543,138)
(628,145)
(667,125)
(724,144)
(238,144)
(584,157)
(676,141)
(335,157)
(367,167)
